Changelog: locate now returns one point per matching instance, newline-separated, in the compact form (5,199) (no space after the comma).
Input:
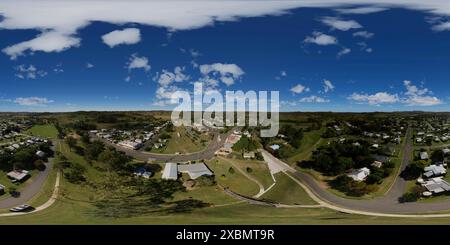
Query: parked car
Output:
(21,208)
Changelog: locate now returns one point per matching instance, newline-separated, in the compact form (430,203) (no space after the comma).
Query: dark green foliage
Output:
(245,144)
(350,187)
(413,195)
(93,150)
(337,158)
(412,171)
(115,159)
(206,181)
(294,135)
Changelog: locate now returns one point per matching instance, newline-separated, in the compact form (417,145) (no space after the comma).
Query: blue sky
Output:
(335,58)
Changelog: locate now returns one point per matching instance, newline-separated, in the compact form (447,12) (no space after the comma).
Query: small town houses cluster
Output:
(133,140)
(433,175)
(12,144)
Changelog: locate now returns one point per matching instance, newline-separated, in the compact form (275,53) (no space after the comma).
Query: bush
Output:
(412,171)
(206,181)
(249,170)
(413,195)
(231,170)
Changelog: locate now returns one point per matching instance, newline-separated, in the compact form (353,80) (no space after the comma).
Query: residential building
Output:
(359,174)
(170,171)
(195,170)
(18,175)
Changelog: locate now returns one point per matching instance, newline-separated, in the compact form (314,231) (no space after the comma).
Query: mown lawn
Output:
(235,181)
(184,141)
(45,130)
(286,191)
(257,169)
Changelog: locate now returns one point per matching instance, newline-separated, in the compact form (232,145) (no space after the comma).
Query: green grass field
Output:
(46,131)
(234,181)
(259,170)
(184,140)
(286,191)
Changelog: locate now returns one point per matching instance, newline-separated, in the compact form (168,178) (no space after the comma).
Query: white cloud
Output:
(419,96)
(314,99)
(126,36)
(226,73)
(364,34)
(413,96)
(32,101)
(339,24)
(327,86)
(298,89)
(166,78)
(60,20)
(375,99)
(444,26)
(320,38)
(47,42)
(343,51)
(138,62)
(361,10)
(29,72)
(166,85)
(89,65)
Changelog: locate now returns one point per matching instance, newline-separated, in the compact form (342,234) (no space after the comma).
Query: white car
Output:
(21,208)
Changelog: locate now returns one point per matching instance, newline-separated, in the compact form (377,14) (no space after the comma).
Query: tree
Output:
(412,171)
(93,150)
(71,141)
(437,156)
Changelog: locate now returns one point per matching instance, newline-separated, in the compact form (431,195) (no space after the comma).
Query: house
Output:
(130,144)
(249,155)
(170,171)
(2,189)
(436,185)
(18,175)
(434,171)
(195,170)
(375,146)
(446,151)
(424,155)
(419,140)
(377,164)
(359,174)
(40,154)
(142,172)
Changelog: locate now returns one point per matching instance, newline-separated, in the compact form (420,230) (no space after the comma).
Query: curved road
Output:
(385,205)
(388,204)
(31,189)
(216,143)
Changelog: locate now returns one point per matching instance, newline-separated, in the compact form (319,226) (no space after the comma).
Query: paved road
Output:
(216,143)
(44,206)
(381,206)
(30,190)
(388,204)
